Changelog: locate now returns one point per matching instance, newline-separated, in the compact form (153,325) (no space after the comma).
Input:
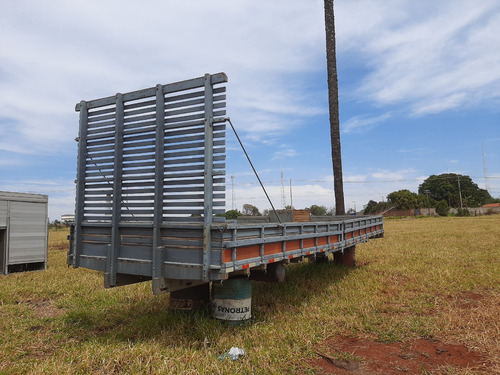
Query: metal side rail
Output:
(252,245)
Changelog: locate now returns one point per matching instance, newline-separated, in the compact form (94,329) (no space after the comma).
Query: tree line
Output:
(437,191)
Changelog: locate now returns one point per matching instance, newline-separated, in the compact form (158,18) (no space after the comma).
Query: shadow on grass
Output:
(303,281)
(150,319)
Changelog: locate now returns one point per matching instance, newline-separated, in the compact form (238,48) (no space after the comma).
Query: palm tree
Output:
(333,100)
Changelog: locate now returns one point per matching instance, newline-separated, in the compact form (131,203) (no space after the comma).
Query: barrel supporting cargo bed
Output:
(151,182)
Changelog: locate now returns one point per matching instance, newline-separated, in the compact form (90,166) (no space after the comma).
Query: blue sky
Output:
(419,89)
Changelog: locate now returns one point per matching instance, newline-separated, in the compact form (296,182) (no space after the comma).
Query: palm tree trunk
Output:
(333,100)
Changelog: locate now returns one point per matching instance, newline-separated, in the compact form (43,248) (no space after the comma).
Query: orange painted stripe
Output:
(322,241)
(272,248)
(294,245)
(226,256)
(334,239)
(246,252)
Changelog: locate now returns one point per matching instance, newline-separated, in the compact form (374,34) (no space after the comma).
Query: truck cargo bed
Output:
(151,189)
(234,247)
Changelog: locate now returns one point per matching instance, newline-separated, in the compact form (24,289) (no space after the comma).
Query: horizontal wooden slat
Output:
(133,151)
(141,177)
(138,144)
(187,174)
(139,127)
(99,151)
(98,125)
(93,112)
(140,119)
(108,141)
(136,137)
(141,164)
(140,110)
(133,191)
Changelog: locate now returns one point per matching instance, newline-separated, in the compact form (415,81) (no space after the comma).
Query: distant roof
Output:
(492,205)
(23,197)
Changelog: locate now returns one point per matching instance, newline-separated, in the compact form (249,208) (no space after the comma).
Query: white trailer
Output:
(23,232)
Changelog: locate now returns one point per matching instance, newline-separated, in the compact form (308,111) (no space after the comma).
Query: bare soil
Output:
(414,357)
(359,356)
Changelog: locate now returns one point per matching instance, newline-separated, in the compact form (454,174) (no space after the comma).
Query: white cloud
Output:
(431,56)
(358,123)
(54,56)
(393,176)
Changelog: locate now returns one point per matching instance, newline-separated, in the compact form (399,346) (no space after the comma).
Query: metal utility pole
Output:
(485,170)
(460,192)
(333,100)
(428,202)
(283,199)
(233,197)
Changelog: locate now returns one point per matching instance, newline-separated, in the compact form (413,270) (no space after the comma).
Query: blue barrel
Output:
(232,300)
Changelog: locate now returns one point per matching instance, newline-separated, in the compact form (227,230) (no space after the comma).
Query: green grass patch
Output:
(62,320)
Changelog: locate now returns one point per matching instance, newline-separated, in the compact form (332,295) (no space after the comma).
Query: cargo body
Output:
(150,182)
(23,232)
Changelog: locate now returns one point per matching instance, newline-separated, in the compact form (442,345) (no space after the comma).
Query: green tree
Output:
(251,210)
(453,188)
(232,214)
(377,207)
(442,208)
(404,199)
(318,210)
(370,207)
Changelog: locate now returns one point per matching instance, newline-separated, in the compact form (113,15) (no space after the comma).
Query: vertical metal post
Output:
(158,194)
(208,178)
(110,275)
(80,183)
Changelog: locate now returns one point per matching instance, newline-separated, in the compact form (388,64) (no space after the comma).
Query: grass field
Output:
(432,278)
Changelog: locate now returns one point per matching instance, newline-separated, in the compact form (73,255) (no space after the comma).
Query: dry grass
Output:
(431,278)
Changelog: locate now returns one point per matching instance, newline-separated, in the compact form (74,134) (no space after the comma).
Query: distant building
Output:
(68,218)
(491,205)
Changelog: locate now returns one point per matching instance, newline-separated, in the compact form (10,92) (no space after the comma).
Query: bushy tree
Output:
(377,208)
(442,208)
(370,207)
(251,210)
(404,199)
(232,214)
(318,210)
(446,186)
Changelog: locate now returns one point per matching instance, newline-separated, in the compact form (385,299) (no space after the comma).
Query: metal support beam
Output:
(208,178)
(158,194)
(80,183)
(111,260)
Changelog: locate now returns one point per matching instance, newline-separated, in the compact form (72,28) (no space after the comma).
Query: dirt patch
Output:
(43,308)
(466,300)
(351,355)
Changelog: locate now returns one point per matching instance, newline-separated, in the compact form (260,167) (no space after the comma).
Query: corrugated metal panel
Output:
(3,213)
(23,197)
(28,232)
(23,221)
